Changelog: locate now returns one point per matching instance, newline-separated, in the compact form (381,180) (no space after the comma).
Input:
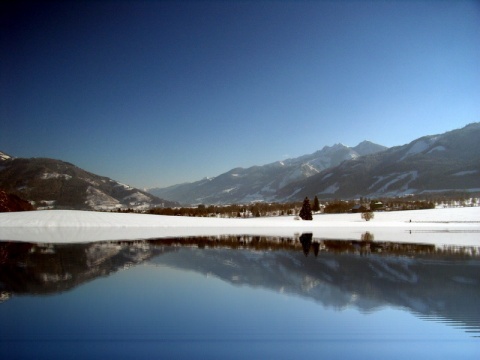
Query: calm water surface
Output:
(237,297)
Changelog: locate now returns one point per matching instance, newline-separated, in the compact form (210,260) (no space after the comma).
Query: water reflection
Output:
(435,283)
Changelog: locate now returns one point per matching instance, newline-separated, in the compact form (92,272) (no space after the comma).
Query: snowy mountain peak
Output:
(334,147)
(4,156)
(430,164)
(260,183)
(367,147)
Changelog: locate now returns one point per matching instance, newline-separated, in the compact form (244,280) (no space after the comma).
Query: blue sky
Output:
(156,93)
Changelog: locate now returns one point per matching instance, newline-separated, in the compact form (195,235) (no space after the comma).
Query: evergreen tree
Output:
(306,211)
(316,204)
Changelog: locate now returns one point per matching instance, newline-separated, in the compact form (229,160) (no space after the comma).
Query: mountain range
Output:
(430,164)
(50,183)
(263,183)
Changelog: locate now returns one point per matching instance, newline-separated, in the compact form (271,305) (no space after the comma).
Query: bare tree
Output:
(367,215)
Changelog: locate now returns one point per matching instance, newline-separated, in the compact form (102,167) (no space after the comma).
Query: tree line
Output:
(241,211)
(305,209)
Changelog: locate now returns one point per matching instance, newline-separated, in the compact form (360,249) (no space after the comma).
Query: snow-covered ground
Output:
(453,226)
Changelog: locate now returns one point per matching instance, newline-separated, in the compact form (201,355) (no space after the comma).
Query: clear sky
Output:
(155,93)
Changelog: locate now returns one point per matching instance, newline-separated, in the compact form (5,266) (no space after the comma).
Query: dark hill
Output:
(58,184)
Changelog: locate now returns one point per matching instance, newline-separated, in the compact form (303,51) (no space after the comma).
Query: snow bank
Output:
(457,226)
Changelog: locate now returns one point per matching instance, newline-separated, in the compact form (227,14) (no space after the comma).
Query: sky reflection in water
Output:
(208,300)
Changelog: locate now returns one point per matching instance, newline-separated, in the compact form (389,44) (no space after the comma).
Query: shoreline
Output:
(453,226)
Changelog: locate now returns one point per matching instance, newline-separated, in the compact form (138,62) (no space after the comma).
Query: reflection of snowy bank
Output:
(457,226)
(4,296)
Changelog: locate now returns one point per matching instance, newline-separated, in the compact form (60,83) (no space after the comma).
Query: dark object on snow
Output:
(306,211)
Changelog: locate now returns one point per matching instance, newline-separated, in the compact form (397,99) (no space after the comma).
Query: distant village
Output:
(261,209)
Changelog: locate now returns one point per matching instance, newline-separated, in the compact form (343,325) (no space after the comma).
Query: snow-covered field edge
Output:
(451,226)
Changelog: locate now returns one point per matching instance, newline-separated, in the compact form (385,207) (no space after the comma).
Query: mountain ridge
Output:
(429,164)
(261,182)
(432,163)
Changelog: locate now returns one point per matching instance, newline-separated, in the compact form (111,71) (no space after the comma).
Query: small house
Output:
(359,209)
(378,205)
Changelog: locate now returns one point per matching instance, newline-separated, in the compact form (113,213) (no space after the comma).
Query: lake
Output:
(239,297)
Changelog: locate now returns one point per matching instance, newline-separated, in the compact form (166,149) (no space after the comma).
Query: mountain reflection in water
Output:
(437,283)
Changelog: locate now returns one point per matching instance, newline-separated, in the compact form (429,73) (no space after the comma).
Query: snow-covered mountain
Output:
(261,183)
(50,183)
(436,163)
(4,156)
(430,164)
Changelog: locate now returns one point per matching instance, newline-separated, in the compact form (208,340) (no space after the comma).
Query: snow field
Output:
(456,226)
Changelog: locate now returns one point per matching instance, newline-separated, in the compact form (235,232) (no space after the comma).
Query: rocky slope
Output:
(10,202)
